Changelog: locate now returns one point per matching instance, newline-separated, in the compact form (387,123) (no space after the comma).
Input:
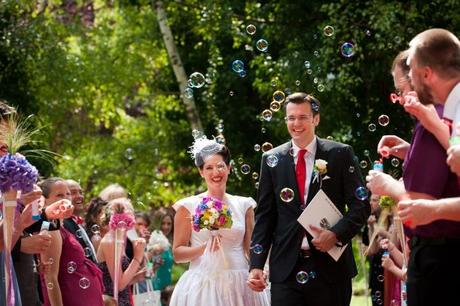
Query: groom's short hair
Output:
(302,97)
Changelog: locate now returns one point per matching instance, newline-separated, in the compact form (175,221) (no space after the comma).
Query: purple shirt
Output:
(425,171)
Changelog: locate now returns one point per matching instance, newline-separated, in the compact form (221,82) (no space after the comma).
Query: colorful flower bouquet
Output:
(212,214)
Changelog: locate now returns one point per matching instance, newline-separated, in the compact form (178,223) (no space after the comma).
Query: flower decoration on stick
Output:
(16,174)
(120,222)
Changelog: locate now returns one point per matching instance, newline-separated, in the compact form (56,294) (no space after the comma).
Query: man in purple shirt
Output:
(426,176)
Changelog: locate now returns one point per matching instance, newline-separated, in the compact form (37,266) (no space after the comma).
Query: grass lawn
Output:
(358,298)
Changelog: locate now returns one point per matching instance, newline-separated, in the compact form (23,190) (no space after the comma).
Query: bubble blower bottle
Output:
(378,166)
(35,210)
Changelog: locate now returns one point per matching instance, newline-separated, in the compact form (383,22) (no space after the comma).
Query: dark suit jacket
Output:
(276,223)
(73,227)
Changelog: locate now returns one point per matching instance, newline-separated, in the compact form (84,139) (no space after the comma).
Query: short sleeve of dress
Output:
(188,203)
(249,203)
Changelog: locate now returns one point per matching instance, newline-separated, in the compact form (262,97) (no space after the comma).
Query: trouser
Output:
(433,272)
(306,287)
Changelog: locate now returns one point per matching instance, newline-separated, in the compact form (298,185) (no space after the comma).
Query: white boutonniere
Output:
(320,171)
(321,166)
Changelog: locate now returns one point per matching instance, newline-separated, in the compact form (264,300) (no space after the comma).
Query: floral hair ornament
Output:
(202,148)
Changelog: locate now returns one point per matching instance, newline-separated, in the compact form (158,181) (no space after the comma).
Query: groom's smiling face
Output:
(301,123)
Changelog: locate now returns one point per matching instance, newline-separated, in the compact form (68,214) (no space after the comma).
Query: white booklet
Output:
(321,212)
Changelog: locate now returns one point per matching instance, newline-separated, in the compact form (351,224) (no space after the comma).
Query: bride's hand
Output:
(257,280)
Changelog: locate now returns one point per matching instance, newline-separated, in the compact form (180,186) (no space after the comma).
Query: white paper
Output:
(321,212)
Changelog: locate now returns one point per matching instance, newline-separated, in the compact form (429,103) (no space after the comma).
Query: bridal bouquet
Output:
(212,214)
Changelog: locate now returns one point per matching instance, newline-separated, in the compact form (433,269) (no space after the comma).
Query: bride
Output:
(218,259)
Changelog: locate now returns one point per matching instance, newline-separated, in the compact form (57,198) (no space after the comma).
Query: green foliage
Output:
(98,77)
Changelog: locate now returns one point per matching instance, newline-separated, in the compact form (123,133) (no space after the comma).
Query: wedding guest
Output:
(71,273)
(75,224)
(93,225)
(422,181)
(218,260)
(142,225)
(130,271)
(78,199)
(113,191)
(377,224)
(163,273)
(394,272)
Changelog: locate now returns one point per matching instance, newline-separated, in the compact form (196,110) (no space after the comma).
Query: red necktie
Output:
(301,174)
(77,219)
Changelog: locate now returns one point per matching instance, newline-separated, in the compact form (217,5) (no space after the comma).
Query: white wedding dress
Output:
(219,278)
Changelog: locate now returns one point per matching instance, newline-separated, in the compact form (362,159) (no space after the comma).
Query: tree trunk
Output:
(179,71)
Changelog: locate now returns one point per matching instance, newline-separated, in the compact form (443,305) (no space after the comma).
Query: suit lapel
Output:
(314,184)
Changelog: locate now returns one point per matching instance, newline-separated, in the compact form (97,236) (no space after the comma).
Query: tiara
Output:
(202,148)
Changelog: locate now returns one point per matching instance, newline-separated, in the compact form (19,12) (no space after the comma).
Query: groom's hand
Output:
(256,280)
(325,239)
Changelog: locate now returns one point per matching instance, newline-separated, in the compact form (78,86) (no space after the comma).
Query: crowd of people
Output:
(67,257)
(243,251)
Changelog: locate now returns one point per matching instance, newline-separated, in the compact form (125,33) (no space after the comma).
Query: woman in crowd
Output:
(218,262)
(130,270)
(162,277)
(71,274)
(93,225)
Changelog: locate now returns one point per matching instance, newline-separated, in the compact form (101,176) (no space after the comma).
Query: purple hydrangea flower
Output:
(17,173)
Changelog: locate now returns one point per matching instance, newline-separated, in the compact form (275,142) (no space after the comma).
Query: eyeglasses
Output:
(303,118)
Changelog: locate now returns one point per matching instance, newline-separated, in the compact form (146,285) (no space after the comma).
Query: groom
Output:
(301,270)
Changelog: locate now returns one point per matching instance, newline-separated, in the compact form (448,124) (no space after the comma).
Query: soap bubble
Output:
(287,194)
(257,249)
(262,45)
(279,96)
(245,169)
(361,193)
(272,161)
(84,283)
(384,120)
(328,31)
(197,80)
(238,66)
(251,29)
(347,49)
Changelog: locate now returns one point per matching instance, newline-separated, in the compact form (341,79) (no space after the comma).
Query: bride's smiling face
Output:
(215,172)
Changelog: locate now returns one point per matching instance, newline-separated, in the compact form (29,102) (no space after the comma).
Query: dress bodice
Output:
(231,238)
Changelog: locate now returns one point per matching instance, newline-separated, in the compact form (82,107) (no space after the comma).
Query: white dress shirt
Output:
(452,108)
(309,162)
